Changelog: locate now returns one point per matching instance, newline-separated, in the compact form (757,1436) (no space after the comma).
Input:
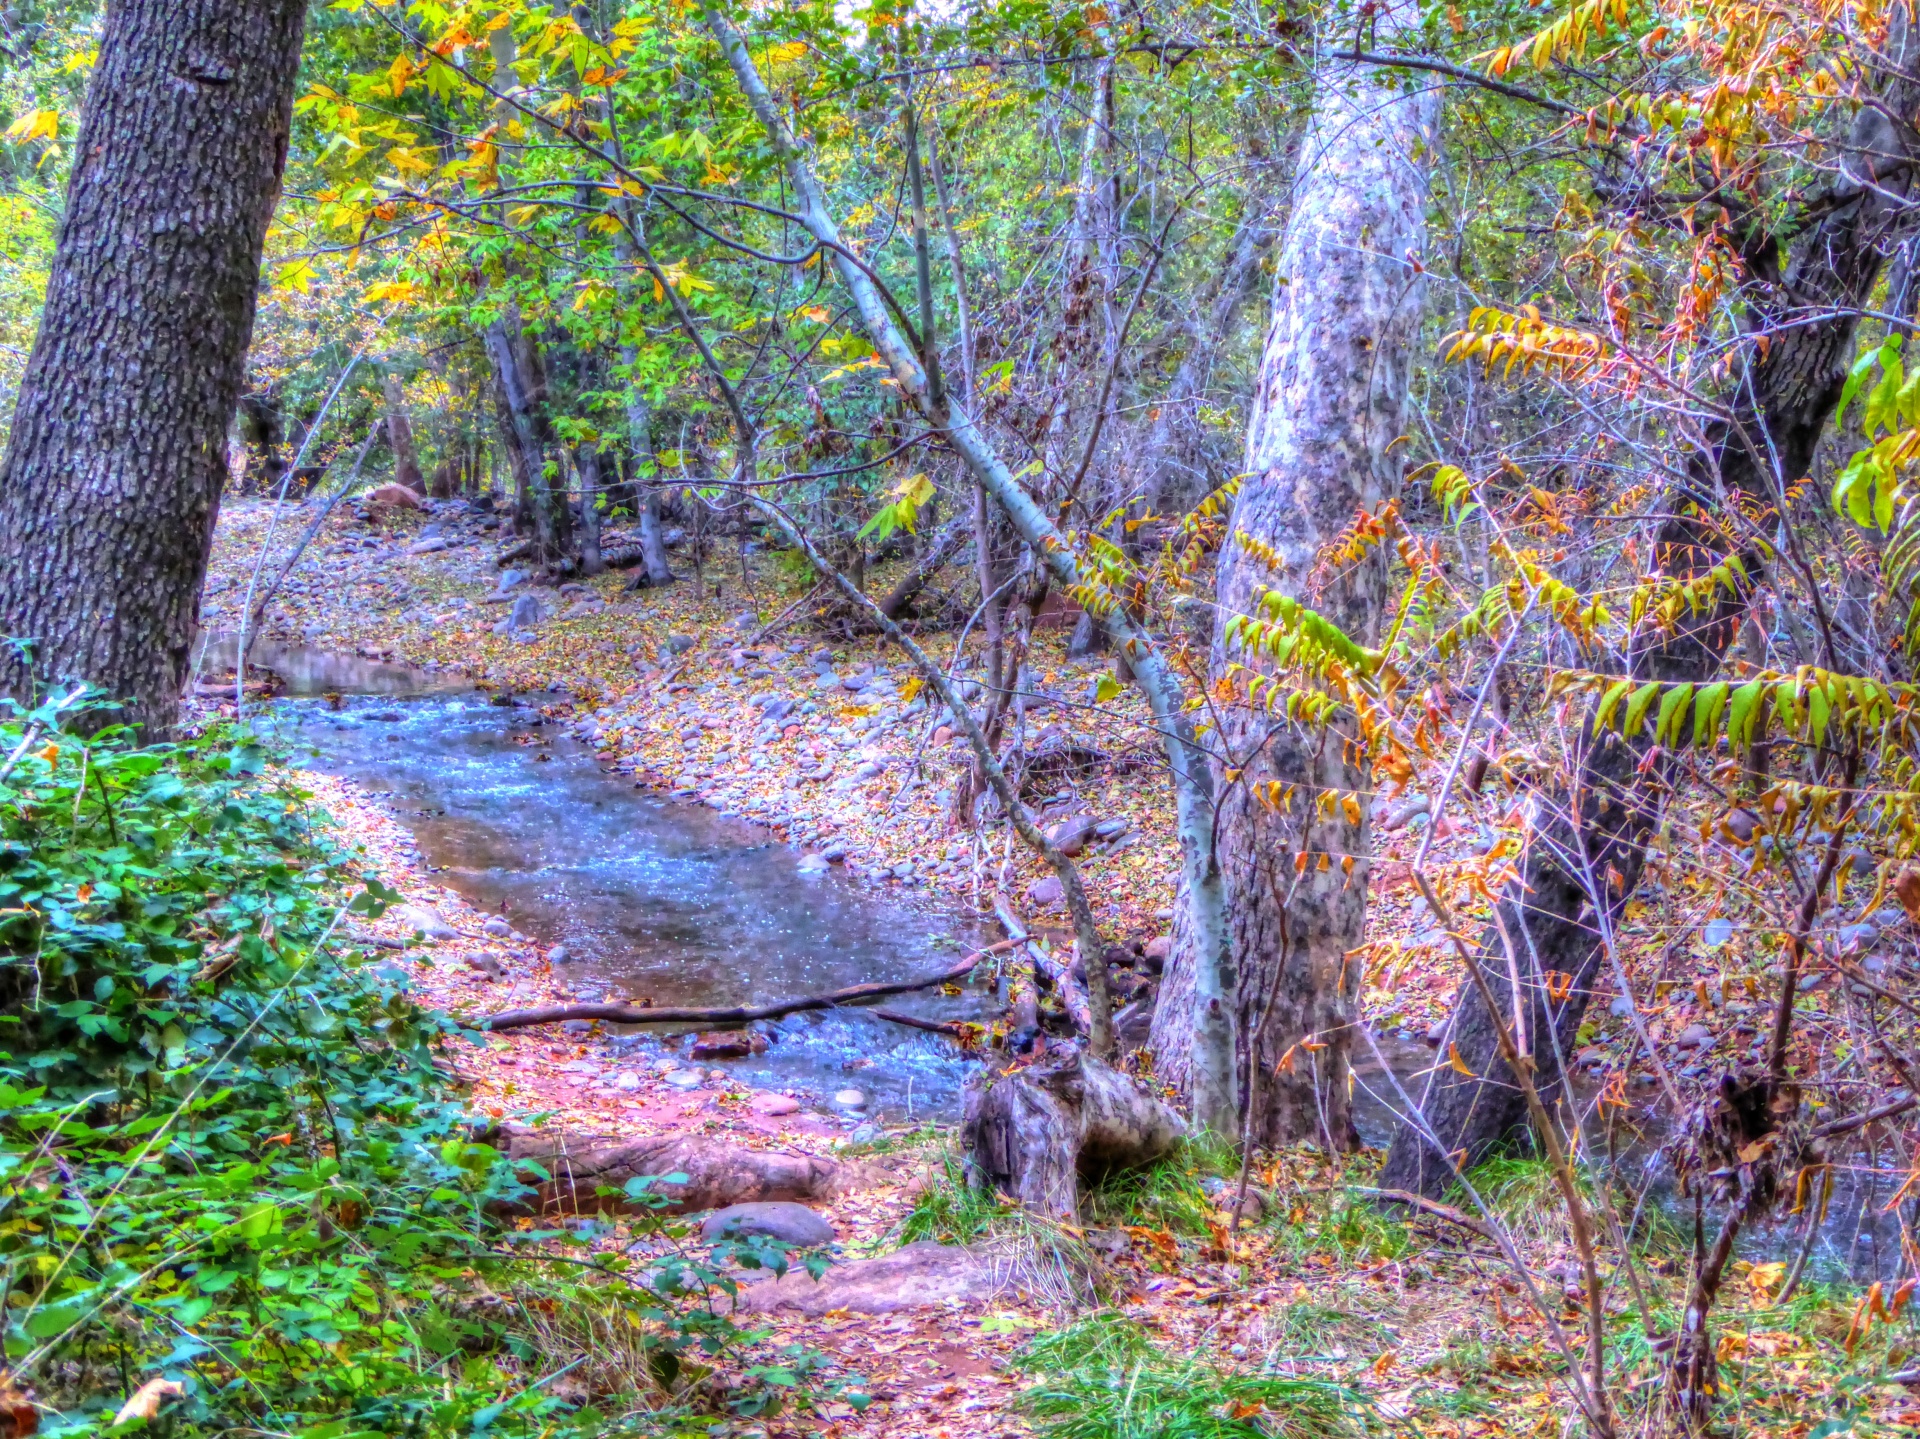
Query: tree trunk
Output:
(1331,399)
(112,479)
(1037,1133)
(586,460)
(262,432)
(1586,850)
(653,549)
(406,460)
(522,383)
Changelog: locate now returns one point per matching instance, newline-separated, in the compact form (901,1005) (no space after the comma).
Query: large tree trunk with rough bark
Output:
(1039,1132)
(1330,401)
(118,453)
(1586,848)
(521,383)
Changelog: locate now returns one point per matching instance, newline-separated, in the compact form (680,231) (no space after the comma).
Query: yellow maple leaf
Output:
(34,125)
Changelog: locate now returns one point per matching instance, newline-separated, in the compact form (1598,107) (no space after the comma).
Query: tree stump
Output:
(1037,1133)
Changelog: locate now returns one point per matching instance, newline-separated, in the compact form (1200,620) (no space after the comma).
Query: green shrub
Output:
(231,1153)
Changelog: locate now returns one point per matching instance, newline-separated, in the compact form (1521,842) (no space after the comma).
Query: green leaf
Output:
(1603,716)
(1637,708)
(1671,706)
(1706,712)
(1745,709)
(1819,710)
(1108,688)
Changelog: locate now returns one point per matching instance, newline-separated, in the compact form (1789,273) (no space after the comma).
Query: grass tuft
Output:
(1104,1378)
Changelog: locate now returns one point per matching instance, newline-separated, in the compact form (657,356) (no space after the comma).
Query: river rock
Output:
(1854,938)
(1740,825)
(778,1219)
(428,546)
(850,1099)
(1045,891)
(684,1079)
(813,864)
(1111,829)
(426,922)
(1695,1036)
(1717,932)
(727,1044)
(774,1105)
(834,854)
(1070,836)
(680,644)
(1401,815)
(1621,1008)
(559,954)
(488,965)
(497,927)
(626,1080)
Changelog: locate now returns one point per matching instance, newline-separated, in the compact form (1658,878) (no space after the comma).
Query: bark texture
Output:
(112,480)
(1330,399)
(406,459)
(1586,846)
(1037,1133)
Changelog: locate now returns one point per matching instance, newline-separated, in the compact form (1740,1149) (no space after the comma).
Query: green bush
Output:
(231,1153)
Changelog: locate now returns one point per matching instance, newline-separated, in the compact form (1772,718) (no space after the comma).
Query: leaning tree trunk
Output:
(522,385)
(1037,1133)
(1586,850)
(112,479)
(1330,401)
(406,460)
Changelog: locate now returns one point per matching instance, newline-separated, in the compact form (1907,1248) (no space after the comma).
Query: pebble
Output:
(559,954)
(1695,1036)
(1045,891)
(626,1080)
(850,1099)
(774,1105)
(497,927)
(685,1079)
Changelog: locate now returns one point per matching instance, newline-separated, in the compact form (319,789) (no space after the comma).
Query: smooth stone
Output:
(498,928)
(1070,836)
(427,546)
(834,854)
(680,644)
(850,1099)
(488,965)
(685,1079)
(774,1105)
(1717,932)
(1856,937)
(626,1080)
(1621,1008)
(1111,828)
(776,1219)
(814,864)
(1695,1036)
(424,921)
(865,1134)
(1045,891)
(1160,947)
(559,954)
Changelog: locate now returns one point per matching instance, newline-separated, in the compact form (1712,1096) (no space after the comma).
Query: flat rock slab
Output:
(920,1276)
(578,1167)
(789,1223)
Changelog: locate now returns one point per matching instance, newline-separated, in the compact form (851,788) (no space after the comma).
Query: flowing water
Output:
(652,898)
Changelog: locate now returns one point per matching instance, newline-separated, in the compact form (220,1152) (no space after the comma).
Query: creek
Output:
(652,898)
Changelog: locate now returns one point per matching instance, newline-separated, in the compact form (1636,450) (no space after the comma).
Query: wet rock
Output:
(487,964)
(727,1044)
(1045,891)
(576,1026)
(774,1105)
(559,954)
(850,1099)
(834,854)
(782,1220)
(626,1081)
(497,927)
(684,1079)
(1717,931)
(1111,829)
(814,864)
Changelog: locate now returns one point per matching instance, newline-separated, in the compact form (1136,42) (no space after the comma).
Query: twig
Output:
(1429,1206)
(734,1015)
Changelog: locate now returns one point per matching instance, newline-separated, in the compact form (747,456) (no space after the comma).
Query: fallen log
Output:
(1039,1132)
(732,1017)
(578,1167)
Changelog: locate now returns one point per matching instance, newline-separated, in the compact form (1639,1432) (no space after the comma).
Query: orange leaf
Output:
(1456,1063)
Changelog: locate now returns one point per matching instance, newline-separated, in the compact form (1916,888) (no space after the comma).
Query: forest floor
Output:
(1404,1322)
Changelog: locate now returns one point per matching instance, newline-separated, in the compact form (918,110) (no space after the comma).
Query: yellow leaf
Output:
(1456,1063)
(147,1399)
(1763,1279)
(34,125)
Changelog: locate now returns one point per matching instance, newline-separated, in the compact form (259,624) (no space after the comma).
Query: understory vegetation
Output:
(235,1176)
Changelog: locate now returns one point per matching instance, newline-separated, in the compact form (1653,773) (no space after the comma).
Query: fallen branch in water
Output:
(736,1015)
(932,1026)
